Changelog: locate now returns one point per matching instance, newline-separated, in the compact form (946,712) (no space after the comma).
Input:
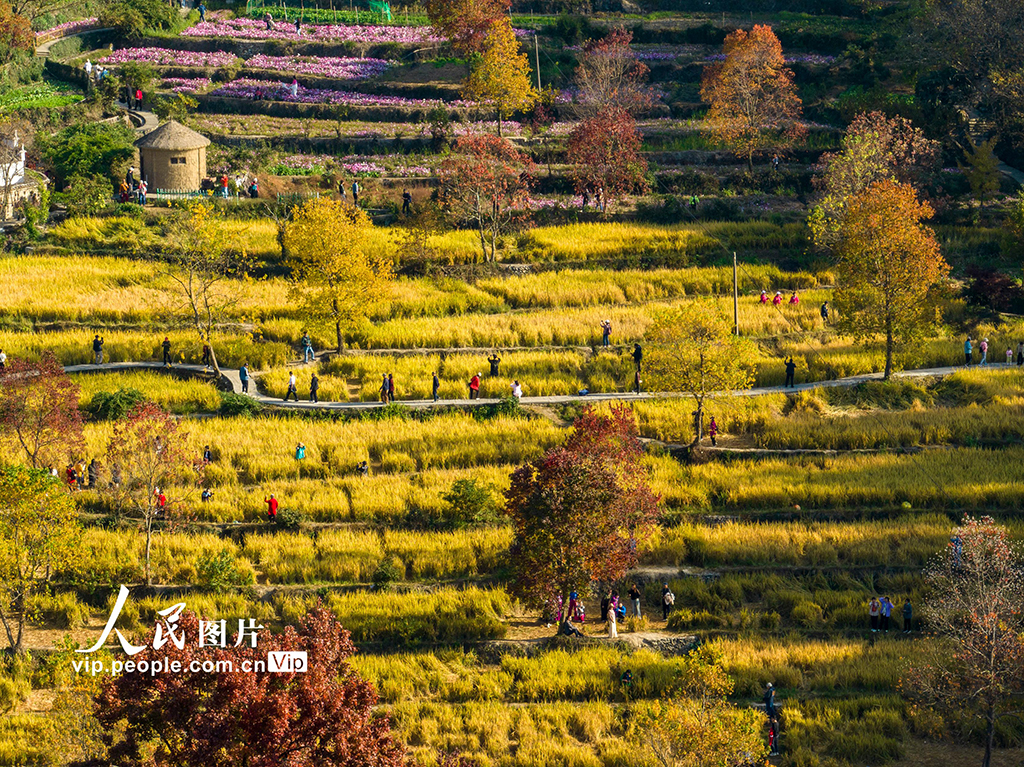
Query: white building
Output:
(16,183)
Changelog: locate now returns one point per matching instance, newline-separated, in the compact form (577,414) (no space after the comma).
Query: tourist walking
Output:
(983,347)
(435,385)
(824,312)
(307,348)
(667,600)
(790,373)
(908,616)
(243,375)
(494,361)
(769,701)
(202,12)
(166,346)
(474,387)
(606,332)
(292,388)
(314,388)
(1020,353)
(874,611)
(636,381)
(356,189)
(391,388)
(713,432)
(638,356)
(207,355)
(968,352)
(271,507)
(385,389)
(97,350)
(406,202)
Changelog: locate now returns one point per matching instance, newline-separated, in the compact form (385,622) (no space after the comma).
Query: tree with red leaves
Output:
(606,157)
(248,718)
(153,468)
(580,512)
(465,23)
(754,103)
(610,76)
(485,182)
(39,410)
(976,606)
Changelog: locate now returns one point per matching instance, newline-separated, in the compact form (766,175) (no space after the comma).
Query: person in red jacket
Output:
(271,507)
(474,387)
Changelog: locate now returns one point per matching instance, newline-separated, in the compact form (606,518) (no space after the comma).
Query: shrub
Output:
(219,570)
(232,404)
(289,519)
(387,572)
(111,406)
(469,502)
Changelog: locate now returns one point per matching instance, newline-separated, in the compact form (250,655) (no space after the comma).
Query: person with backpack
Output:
(638,356)
(667,600)
(97,350)
(968,352)
(983,346)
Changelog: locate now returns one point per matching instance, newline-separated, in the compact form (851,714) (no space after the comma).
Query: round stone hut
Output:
(172,158)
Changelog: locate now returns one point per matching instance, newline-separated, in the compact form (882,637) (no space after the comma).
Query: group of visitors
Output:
(1011,354)
(880,612)
(356,190)
(778,299)
(132,189)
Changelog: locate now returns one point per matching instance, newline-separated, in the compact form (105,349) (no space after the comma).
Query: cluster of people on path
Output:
(132,189)
(983,348)
(880,614)
(356,191)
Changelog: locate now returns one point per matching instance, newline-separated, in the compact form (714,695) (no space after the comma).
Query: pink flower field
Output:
(251,29)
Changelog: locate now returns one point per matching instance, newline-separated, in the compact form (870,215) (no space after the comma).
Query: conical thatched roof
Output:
(174,136)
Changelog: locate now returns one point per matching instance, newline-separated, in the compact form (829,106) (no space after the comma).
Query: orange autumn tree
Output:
(754,103)
(888,263)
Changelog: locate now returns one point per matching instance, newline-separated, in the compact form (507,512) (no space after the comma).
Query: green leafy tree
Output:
(39,536)
(176,107)
(87,196)
(693,350)
(90,149)
(134,18)
(469,502)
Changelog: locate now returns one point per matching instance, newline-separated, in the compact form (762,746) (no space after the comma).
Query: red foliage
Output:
(484,182)
(39,410)
(579,511)
(233,718)
(465,22)
(610,76)
(606,157)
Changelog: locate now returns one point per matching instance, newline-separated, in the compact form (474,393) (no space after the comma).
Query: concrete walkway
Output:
(43,50)
(230,378)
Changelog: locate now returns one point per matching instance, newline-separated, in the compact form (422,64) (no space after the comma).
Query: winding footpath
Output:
(230,380)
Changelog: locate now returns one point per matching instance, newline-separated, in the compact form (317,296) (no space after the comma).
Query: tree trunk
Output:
(499,123)
(149,547)
(213,359)
(337,326)
(698,424)
(990,736)
(889,345)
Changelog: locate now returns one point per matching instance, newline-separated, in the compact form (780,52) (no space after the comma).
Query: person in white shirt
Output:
(517,390)
(292,390)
